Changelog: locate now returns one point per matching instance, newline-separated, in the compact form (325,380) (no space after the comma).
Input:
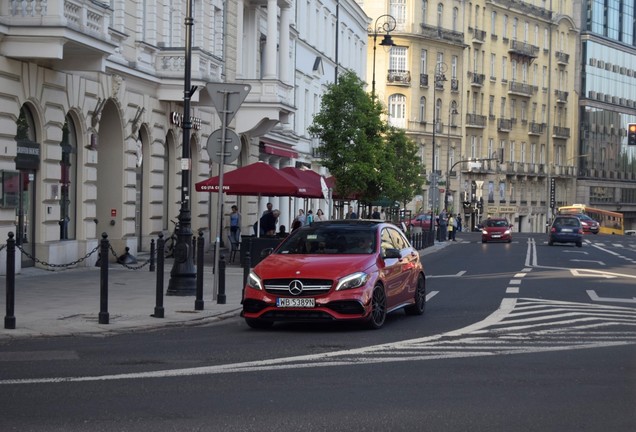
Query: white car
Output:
(630,232)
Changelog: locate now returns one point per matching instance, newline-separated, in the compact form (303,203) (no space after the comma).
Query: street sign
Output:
(220,154)
(227,98)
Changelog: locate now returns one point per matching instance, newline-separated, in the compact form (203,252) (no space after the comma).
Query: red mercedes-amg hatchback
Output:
(337,270)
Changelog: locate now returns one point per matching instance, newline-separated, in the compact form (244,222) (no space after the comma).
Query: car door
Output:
(394,273)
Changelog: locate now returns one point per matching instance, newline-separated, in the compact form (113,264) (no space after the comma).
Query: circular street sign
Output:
(215,146)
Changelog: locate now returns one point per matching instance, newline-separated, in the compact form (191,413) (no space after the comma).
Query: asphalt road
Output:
(519,336)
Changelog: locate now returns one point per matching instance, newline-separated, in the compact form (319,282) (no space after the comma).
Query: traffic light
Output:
(631,134)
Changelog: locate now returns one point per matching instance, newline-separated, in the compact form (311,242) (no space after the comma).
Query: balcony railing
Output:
(523,49)
(423,80)
(562,58)
(454,84)
(434,32)
(398,77)
(51,21)
(535,128)
(560,132)
(521,89)
(476,79)
(561,96)
(479,36)
(504,125)
(475,120)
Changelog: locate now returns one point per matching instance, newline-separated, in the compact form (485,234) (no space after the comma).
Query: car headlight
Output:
(354,280)
(253,281)
(484,232)
(507,232)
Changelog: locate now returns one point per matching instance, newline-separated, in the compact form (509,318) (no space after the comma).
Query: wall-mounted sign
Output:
(177,120)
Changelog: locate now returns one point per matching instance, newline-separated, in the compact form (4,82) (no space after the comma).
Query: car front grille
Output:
(310,287)
(297,315)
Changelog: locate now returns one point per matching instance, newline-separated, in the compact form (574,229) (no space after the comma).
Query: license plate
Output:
(496,236)
(566,230)
(304,302)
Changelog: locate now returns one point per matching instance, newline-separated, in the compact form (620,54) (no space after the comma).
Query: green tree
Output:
(401,169)
(350,130)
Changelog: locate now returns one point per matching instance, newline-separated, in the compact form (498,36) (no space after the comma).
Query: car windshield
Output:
(574,222)
(496,223)
(330,240)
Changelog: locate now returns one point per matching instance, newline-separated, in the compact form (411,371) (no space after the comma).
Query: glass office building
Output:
(607,165)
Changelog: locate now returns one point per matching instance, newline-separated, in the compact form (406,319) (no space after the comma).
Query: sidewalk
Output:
(67,302)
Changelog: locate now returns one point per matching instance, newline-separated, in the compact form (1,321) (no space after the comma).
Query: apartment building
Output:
(607,165)
(92,113)
(506,73)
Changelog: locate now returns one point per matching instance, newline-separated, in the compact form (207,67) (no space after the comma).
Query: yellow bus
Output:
(610,222)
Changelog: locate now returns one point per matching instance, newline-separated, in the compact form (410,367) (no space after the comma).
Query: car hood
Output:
(312,266)
(496,229)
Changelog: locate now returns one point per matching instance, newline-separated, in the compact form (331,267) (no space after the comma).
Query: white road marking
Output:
(595,297)
(520,275)
(431,295)
(593,261)
(515,282)
(458,274)
(512,290)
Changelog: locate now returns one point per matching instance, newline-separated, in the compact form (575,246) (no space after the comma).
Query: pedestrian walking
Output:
(459,222)
(452,226)
(235,225)
(320,216)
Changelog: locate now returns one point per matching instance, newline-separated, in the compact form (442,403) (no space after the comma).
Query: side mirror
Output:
(392,253)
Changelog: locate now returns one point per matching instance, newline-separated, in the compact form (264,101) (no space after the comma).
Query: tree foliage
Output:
(369,159)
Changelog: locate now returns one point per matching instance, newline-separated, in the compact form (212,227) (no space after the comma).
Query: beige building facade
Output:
(467,79)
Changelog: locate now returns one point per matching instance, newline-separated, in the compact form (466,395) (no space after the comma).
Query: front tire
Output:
(579,244)
(419,306)
(378,308)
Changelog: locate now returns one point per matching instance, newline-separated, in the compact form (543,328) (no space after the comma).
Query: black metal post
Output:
(198,303)
(9,318)
(103,316)
(247,267)
(183,275)
(221,299)
(159,311)
(152,255)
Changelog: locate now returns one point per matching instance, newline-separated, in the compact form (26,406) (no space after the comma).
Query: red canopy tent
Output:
(258,178)
(308,177)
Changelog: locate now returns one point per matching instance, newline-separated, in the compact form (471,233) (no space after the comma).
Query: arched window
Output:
(68,181)
(422,109)
(397,110)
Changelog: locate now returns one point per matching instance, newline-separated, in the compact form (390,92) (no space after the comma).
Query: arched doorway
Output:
(68,181)
(27,163)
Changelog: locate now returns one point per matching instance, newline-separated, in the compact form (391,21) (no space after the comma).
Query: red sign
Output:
(113,212)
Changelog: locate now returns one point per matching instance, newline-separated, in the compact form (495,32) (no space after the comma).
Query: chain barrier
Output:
(2,247)
(52,267)
(129,267)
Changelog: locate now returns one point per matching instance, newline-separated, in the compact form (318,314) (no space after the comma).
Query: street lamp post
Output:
(451,111)
(183,274)
(386,27)
(440,69)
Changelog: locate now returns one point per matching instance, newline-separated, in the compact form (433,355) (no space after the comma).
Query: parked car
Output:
(422,220)
(566,229)
(496,229)
(341,270)
(630,232)
(589,225)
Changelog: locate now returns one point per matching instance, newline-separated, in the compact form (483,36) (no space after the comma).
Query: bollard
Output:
(194,250)
(9,319)
(247,266)
(103,280)
(220,298)
(198,303)
(152,255)
(161,243)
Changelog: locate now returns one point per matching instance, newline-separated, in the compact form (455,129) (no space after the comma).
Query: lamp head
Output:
(387,41)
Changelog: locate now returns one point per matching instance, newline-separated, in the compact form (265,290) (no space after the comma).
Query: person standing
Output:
(301,217)
(459,222)
(320,216)
(443,223)
(352,214)
(375,214)
(310,217)
(451,227)
(235,225)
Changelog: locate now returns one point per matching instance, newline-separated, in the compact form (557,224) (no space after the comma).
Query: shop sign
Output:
(177,120)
